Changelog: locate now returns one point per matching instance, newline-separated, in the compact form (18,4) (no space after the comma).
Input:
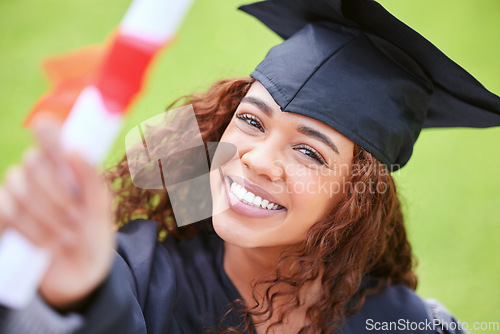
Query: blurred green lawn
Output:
(450,188)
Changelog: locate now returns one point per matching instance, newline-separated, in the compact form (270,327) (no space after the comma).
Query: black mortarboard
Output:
(357,68)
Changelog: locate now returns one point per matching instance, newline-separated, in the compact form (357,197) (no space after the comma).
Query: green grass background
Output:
(450,188)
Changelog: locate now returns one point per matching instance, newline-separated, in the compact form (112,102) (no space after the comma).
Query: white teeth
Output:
(249,198)
(240,193)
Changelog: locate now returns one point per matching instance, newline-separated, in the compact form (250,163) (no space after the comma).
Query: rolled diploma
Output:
(90,129)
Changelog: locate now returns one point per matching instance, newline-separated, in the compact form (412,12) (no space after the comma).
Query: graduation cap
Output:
(355,67)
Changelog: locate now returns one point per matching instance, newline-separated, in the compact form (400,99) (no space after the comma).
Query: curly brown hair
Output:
(359,248)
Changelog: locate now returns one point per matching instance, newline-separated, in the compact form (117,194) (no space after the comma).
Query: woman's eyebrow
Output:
(318,135)
(302,128)
(259,104)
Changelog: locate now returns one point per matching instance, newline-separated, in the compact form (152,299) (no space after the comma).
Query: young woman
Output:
(313,240)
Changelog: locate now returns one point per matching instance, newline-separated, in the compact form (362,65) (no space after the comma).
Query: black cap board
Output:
(355,67)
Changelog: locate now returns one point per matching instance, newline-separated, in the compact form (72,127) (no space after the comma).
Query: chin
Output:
(232,231)
(241,234)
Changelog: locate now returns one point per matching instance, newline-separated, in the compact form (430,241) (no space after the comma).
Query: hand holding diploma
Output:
(60,203)
(66,182)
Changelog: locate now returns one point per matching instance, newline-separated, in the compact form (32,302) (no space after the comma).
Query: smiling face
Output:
(290,173)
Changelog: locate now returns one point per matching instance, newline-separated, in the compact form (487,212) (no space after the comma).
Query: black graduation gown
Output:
(181,287)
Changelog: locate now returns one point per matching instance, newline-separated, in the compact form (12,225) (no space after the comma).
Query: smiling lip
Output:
(246,209)
(258,191)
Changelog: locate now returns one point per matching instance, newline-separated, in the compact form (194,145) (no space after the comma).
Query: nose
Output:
(263,159)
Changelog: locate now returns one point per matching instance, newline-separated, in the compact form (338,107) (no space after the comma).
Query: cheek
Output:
(230,133)
(315,196)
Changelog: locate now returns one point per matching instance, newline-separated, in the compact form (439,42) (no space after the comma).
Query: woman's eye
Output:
(251,120)
(311,153)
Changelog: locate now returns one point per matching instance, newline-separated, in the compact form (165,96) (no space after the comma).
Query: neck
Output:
(246,266)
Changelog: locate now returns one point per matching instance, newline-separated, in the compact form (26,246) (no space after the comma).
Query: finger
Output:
(96,195)
(12,216)
(36,233)
(49,190)
(48,133)
(15,187)
(84,173)
(25,200)
(7,209)
(46,204)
